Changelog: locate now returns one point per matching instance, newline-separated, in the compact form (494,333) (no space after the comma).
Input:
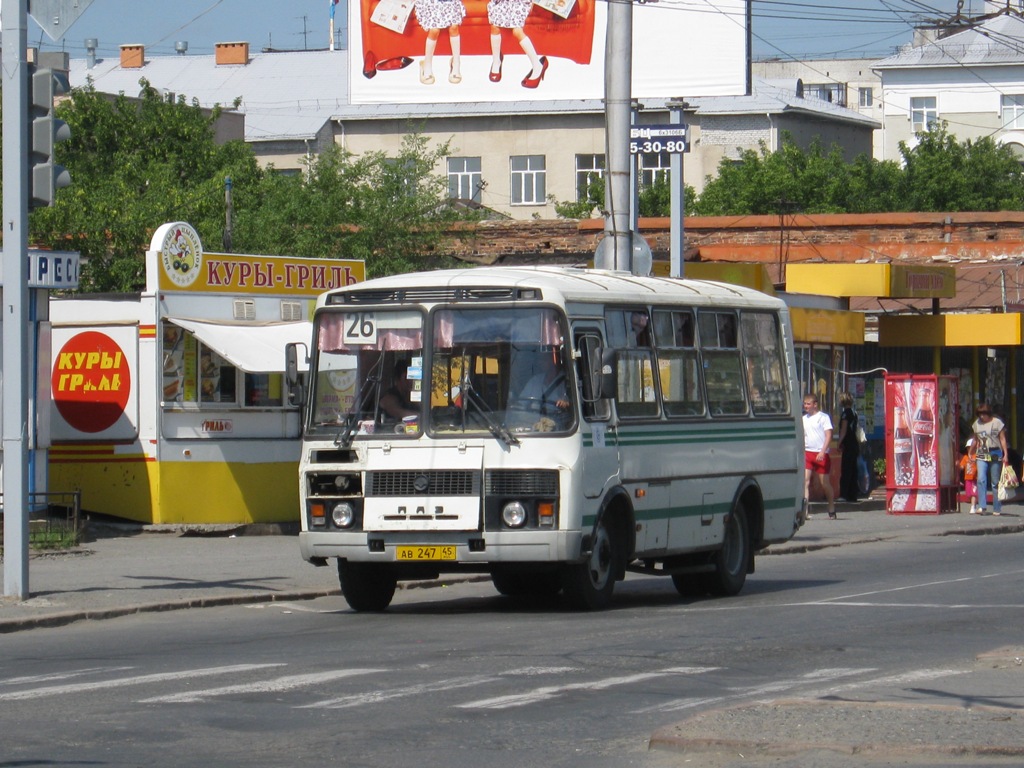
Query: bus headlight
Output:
(513,514)
(342,514)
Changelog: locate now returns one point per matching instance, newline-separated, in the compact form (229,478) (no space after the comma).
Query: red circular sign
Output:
(91,381)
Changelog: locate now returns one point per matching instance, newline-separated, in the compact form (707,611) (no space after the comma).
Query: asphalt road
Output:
(461,677)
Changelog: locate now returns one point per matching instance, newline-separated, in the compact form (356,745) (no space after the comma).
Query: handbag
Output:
(1008,483)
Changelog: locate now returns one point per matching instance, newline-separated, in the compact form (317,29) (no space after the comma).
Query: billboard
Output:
(455,51)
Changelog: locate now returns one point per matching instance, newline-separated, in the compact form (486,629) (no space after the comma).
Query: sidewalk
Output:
(132,569)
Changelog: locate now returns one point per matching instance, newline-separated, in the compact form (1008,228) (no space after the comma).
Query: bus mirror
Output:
(293,384)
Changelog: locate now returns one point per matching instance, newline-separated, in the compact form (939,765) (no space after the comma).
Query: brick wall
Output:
(827,237)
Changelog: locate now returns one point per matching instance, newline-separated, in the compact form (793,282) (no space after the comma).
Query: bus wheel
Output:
(588,585)
(366,586)
(731,560)
(513,584)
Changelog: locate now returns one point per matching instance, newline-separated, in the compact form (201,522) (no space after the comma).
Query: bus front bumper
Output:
(471,548)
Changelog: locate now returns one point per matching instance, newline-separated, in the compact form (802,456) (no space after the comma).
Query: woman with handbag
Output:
(850,448)
(993,454)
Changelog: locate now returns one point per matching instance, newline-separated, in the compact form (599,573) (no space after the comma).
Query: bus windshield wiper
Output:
(480,406)
(350,427)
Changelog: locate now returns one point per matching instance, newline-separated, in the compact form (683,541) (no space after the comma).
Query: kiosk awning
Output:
(253,348)
(980,330)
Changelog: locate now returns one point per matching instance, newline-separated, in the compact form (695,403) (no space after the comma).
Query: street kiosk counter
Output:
(169,406)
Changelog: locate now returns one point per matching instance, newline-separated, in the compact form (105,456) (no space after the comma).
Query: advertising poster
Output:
(475,51)
(921,443)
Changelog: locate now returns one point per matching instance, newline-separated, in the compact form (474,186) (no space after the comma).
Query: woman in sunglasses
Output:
(990,439)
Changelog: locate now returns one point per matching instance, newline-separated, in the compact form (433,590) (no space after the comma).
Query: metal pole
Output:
(677,206)
(229,216)
(15,296)
(634,175)
(617,89)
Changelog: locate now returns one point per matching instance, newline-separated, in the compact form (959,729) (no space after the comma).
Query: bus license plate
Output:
(424,552)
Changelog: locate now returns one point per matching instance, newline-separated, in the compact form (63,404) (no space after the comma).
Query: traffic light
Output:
(45,130)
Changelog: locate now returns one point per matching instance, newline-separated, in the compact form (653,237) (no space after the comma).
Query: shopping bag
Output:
(392,14)
(1008,483)
(863,476)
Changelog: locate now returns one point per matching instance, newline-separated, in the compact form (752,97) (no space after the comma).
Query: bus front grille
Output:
(413,482)
(518,482)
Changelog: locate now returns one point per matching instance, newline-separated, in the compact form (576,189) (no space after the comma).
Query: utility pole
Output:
(14,14)
(23,148)
(618,63)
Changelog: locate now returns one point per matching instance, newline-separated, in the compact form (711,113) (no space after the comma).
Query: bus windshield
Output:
(502,372)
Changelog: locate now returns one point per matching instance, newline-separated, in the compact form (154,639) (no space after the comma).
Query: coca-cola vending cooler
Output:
(921,444)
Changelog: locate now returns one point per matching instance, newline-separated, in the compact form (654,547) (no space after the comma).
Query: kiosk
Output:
(169,405)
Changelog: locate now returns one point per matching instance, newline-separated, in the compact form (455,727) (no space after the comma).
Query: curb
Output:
(93,614)
(978,731)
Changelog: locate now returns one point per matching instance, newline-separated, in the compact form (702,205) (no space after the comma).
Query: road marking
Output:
(276,685)
(923,585)
(776,687)
(62,675)
(61,690)
(374,697)
(548,692)
(534,671)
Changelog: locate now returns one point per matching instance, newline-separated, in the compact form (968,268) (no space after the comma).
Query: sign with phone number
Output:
(645,139)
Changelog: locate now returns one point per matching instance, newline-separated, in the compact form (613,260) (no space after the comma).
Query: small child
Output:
(969,466)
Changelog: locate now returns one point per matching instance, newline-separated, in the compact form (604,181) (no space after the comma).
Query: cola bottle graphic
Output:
(923,426)
(902,449)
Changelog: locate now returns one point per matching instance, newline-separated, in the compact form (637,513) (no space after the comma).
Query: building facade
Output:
(967,74)
(516,159)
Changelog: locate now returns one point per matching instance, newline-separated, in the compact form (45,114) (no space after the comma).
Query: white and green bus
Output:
(552,427)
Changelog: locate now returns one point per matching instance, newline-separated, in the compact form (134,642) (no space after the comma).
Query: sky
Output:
(786,29)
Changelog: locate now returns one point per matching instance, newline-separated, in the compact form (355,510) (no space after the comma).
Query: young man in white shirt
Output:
(817,462)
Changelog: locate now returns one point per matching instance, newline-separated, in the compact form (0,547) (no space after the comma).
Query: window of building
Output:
(654,165)
(1013,111)
(464,178)
(194,374)
(867,97)
(819,369)
(401,177)
(589,170)
(833,93)
(924,113)
(529,185)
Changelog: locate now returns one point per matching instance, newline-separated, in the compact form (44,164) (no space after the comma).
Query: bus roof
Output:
(568,284)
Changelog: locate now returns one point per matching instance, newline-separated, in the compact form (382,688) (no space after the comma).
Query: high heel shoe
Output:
(452,77)
(424,77)
(495,77)
(533,82)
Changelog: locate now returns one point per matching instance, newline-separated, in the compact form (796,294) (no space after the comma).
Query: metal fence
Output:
(54,518)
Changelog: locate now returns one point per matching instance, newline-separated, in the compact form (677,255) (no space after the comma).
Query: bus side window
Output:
(590,372)
(764,360)
(724,380)
(678,363)
(629,333)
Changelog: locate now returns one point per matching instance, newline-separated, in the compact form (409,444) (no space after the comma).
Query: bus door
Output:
(600,441)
